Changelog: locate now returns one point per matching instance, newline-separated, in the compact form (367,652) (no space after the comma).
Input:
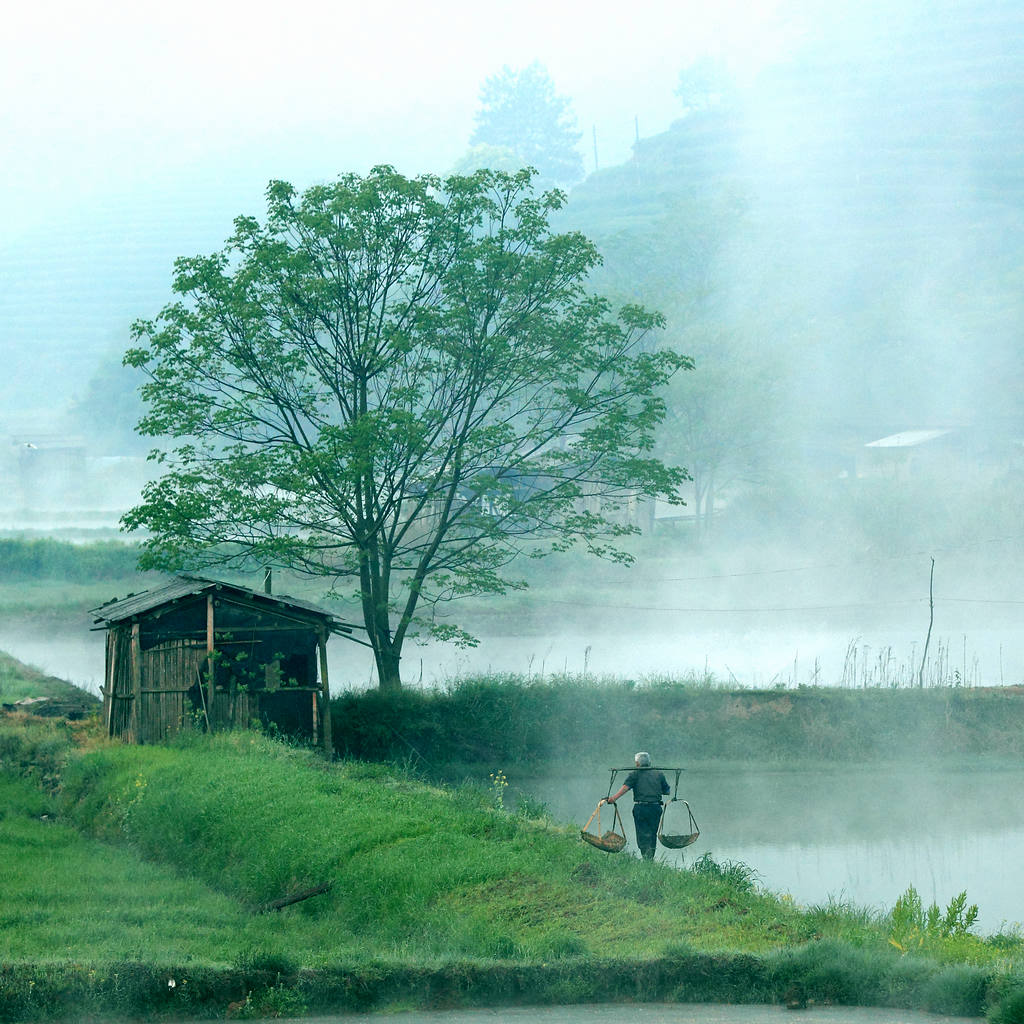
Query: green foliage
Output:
(704,84)
(520,113)
(68,897)
(461,902)
(111,406)
(480,721)
(1009,1009)
(830,971)
(272,1002)
(735,874)
(960,990)
(915,927)
(857,926)
(49,559)
(404,383)
(36,750)
(530,807)
(421,871)
(499,783)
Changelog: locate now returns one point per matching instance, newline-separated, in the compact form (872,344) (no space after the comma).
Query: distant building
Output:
(48,469)
(964,452)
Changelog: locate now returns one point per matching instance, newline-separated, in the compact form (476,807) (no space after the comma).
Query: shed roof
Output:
(182,587)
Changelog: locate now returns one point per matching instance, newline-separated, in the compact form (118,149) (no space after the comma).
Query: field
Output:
(137,882)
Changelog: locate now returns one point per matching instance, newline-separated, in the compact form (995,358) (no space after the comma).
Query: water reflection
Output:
(853,835)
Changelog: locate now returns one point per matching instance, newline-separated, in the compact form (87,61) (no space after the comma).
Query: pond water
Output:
(852,834)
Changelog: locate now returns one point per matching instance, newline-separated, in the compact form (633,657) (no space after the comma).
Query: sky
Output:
(119,99)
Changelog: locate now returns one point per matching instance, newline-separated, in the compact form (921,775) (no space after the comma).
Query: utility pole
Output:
(594,132)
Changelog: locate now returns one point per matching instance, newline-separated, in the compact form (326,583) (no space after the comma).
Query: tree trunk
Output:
(389,668)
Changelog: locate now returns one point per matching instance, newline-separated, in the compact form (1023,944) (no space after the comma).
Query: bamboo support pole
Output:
(136,678)
(111,689)
(209,658)
(325,716)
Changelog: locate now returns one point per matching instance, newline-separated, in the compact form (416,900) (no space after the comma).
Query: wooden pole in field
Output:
(931,620)
(325,715)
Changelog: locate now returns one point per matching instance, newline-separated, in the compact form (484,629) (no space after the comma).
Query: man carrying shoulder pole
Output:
(649,785)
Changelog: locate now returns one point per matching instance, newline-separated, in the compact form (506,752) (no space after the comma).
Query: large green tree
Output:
(521,112)
(403,382)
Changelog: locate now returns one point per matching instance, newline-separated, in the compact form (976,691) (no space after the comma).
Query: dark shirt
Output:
(648,785)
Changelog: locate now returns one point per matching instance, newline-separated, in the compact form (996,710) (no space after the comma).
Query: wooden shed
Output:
(202,654)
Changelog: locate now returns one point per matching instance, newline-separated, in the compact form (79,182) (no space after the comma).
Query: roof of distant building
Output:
(908,438)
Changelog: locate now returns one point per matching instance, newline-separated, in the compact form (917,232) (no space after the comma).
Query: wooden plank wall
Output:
(168,672)
(117,694)
(234,713)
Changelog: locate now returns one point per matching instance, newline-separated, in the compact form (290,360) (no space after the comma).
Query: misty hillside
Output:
(857,210)
(857,214)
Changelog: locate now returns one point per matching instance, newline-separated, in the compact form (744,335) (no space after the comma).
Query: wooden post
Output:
(325,716)
(108,693)
(209,660)
(931,622)
(136,670)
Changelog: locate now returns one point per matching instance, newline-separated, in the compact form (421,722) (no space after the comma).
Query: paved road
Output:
(649,1013)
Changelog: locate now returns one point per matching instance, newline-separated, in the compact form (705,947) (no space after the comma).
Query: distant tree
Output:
(110,407)
(520,111)
(403,382)
(482,155)
(705,83)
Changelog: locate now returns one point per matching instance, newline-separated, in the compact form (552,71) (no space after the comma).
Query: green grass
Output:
(147,864)
(71,898)
(18,680)
(419,872)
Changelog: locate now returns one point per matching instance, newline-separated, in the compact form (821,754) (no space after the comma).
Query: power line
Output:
(737,611)
(859,564)
(782,608)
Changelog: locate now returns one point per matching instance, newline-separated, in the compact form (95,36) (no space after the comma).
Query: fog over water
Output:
(850,834)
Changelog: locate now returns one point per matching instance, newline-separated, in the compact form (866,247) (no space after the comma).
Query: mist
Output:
(833,232)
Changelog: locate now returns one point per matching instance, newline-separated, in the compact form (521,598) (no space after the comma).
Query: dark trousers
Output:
(645,819)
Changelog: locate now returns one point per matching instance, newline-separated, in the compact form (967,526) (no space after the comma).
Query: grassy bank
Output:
(134,884)
(18,680)
(536,722)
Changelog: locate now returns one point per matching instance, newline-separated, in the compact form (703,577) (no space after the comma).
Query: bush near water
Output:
(535,722)
(134,877)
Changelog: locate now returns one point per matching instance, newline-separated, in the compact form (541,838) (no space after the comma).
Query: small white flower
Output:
(171,983)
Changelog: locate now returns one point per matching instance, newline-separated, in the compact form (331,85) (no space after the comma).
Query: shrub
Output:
(957,991)
(737,875)
(1009,1009)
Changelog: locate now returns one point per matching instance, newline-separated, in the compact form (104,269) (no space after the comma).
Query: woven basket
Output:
(678,842)
(610,842)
